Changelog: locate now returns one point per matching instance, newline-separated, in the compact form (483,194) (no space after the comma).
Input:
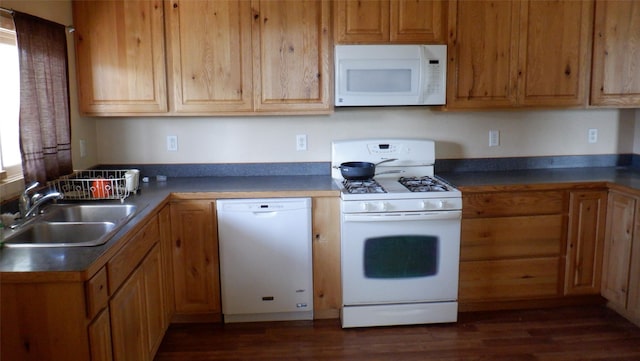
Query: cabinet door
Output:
(555,42)
(100,338)
(633,301)
(483,54)
(120,57)
(327,291)
(209,56)
(195,258)
(417,21)
(616,50)
(154,299)
(164,221)
(585,242)
(129,332)
(291,56)
(363,21)
(617,250)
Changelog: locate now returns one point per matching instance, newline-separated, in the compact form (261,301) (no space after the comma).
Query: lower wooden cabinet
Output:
(621,265)
(196,271)
(531,247)
(100,338)
(585,242)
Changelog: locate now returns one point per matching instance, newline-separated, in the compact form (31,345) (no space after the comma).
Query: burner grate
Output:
(362,186)
(423,184)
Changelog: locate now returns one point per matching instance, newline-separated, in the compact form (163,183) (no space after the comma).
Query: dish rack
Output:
(97,184)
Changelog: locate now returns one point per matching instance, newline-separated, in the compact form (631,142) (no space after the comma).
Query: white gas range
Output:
(400,235)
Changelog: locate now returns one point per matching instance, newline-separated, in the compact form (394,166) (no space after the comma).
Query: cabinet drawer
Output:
(509,279)
(513,204)
(97,292)
(123,263)
(511,237)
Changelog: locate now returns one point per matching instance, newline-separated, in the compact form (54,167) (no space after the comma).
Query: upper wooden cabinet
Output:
(209,55)
(518,53)
(291,56)
(390,21)
(616,49)
(222,57)
(120,57)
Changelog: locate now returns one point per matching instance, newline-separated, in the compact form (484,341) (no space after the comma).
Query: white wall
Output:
(272,139)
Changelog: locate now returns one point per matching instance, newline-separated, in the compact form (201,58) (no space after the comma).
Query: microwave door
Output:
(378,82)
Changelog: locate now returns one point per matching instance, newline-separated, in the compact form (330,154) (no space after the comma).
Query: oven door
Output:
(400,257)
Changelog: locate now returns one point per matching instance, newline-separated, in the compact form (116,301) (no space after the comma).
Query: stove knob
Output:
(383,206)
(441,204)
(365,206)
(424,205)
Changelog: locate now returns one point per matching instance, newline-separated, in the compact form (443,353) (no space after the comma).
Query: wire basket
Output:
(97,184)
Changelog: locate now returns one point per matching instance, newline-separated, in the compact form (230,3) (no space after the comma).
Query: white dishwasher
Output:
(265,259)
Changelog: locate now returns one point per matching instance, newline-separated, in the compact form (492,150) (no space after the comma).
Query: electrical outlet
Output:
(301,142)
(172,143)
(83,148)
(592,136)
(494,138)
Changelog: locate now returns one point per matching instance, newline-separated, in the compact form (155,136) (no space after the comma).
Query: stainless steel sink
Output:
(115,213)
(61,234)
(71,225)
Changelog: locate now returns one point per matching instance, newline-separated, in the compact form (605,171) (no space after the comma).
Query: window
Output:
(10,158)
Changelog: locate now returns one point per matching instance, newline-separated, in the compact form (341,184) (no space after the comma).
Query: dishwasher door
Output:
(265,259)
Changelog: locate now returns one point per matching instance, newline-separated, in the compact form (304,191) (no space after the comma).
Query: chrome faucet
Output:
(24,203)
(30,206)
(38,199)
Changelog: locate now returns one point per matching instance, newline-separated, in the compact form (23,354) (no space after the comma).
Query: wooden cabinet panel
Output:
(585,242)
(511,237)
(555,47)
(195,258)
(518,53)
(154,299)
(616,50)
(291,55)
(483,53)
(390,21)
(508,279)
(209,56)
(126,260)
(417,21)
(129,332)
(97,290)
(633,301)
(621,213)
(362,21)
(327,290)
(120,57)
(100,338)
(164,224)
(513,203)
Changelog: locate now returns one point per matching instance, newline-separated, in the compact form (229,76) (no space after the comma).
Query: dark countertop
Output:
(620,176)
(71,263)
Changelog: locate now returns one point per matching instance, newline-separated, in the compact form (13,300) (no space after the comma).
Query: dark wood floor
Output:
(576,333)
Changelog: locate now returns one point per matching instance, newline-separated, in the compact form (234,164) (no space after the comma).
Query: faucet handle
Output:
(31,187)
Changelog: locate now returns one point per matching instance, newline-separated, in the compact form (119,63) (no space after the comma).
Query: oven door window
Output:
(404,256)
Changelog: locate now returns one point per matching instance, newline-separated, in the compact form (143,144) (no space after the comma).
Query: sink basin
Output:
(60,234)
(114,213)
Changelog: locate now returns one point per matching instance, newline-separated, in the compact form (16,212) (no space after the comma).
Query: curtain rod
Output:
(69,28)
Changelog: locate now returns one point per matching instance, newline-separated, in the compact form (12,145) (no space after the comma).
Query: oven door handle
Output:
(396,217)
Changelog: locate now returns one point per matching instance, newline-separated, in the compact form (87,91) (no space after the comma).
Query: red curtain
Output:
(45,131)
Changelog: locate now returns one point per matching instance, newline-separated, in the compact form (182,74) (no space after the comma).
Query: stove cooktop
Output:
(396,188)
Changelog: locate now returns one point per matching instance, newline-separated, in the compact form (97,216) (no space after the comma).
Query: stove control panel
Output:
(401,205)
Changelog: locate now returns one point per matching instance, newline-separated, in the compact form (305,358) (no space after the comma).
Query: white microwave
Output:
(372,75)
